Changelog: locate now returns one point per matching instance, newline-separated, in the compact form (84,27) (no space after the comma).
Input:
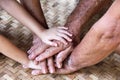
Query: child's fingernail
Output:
(35,73)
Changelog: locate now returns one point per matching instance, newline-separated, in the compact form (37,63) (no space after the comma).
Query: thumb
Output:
(62,56)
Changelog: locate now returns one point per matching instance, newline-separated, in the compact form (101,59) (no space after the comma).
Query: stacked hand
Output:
(49,57)
(55,33)
(100,41)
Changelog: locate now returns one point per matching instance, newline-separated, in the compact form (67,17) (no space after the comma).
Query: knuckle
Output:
(47,51)
(73,64)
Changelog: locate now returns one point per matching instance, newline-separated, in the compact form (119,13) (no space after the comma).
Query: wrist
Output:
(40,33)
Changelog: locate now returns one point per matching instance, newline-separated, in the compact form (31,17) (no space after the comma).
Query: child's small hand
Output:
(55,33)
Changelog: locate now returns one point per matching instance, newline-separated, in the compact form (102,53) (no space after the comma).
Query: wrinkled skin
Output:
(88,57)
(39,47)
(90,51)
(101,40)
(98,43)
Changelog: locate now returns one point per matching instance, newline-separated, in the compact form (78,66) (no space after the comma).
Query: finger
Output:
(62,56)
(32,49)
(36,72)
(58,71)
(65,28)
(61,40)
(48,53)
(51,65)
(51,43)
(36,62)
(65,32)
(35,45)
(44,67)
(36,52)
(64,36)
(33,66)
(29,51)
(65,69)
(33,55)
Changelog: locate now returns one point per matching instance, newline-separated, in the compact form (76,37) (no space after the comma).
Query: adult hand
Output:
(40,51)
(37,48)
(40,48)
(101,40)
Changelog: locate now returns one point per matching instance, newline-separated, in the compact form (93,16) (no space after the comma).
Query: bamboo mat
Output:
(56,14)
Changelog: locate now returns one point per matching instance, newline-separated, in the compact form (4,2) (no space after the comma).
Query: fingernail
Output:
(66,43)
(37,59)
(70,40)
(30,56)
(35,73)
(28,51)
(55,45)
(51,71)
(44,71)
(59,65)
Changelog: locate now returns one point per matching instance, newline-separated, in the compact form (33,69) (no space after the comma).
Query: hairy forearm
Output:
(17,11)
(101,40)
(82,13)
